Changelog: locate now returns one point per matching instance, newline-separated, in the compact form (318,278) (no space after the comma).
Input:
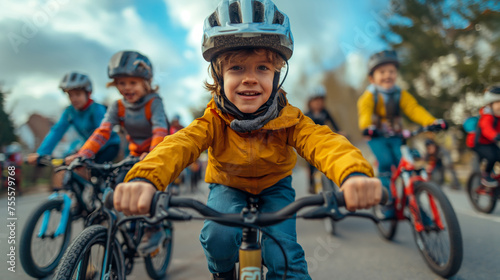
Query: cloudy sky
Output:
(45,39)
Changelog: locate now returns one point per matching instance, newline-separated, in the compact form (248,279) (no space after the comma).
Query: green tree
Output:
(448,51)
(6,127)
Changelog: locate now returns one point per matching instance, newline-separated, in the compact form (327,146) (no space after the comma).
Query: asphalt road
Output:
(356,252)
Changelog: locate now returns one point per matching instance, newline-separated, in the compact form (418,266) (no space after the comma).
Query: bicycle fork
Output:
(63,223)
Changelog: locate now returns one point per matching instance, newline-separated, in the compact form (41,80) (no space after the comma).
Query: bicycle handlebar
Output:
(162,202)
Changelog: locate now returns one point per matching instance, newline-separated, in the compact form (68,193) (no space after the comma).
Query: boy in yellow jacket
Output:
(250,131)
(380,111)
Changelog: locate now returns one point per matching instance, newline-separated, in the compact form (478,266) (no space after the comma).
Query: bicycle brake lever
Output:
(159,209)
(329,210)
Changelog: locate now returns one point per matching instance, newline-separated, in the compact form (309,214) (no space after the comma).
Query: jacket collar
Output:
(288,117)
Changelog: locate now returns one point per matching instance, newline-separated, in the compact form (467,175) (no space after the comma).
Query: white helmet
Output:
(318,92)
(237,24)
(74,80)
(492,94)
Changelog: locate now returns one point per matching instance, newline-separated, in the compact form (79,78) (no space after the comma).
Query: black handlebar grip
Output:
(385,196)
(108,199)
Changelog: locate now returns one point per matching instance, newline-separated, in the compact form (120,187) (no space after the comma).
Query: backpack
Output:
(147,110)
(471,124)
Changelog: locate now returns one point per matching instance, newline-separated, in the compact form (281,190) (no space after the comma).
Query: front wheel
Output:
(158,261)
(388,224)
(85,256)
(41,249)
(483,199)
(440,240)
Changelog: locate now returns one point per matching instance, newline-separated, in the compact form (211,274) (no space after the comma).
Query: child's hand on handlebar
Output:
(32,159)
(70,158)
(361,192)
(134,198)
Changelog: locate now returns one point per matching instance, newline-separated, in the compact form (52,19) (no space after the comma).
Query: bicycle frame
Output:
(70,180)
(406,169)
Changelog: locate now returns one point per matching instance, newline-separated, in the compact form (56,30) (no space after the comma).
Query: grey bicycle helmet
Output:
(239,24)
(130,64)
(382,57)
(74,80)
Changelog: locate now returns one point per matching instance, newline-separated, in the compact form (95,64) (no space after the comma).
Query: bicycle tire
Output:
(158,262)
(33,257)
(478,194)
(387,228)
(81,247)
(430,239)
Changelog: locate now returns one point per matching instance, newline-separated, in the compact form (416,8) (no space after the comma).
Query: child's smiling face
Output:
(384,76)
(248,84)
(131,88)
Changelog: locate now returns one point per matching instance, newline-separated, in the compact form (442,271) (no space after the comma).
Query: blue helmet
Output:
(237,24)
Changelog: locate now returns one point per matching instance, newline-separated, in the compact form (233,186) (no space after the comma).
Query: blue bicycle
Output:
(47,232)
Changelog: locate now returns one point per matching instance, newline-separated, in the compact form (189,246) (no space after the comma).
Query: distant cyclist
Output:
(439,160)
(317,110)
(487,138)
(381,109)
(320,115)
(84,116)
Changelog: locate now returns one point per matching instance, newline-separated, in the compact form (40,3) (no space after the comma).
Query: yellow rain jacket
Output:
(407,103)
(251,161)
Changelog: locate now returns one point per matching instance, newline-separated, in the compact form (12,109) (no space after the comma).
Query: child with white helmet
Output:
(487,137)
(250,131)
(84,115)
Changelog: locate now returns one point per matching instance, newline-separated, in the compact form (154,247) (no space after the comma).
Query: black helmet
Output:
(382,57)
(74,80)
(239,24)
(130,64)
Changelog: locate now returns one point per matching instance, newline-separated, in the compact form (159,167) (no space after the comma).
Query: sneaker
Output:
(230,275)
(489,182)
(153,237)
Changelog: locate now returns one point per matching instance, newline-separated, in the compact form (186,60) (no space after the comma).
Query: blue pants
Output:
(388,153)
(221,243)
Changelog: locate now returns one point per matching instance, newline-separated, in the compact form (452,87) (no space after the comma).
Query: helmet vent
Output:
(235,13)
(73,77)
(278,18)
(213,20)
(258,14)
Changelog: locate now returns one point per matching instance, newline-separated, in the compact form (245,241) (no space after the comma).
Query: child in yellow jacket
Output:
(250,131)
(380,111)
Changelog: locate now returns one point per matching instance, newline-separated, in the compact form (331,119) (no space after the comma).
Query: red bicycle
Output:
(433,221)
(483,199)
